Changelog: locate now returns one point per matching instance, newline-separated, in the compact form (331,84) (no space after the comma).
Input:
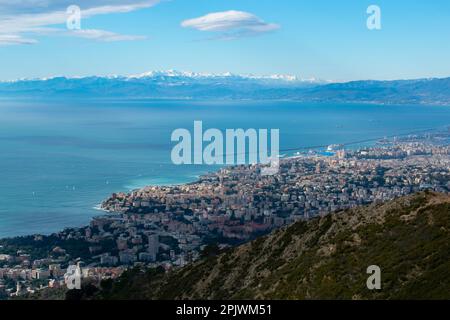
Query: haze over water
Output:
(60,159)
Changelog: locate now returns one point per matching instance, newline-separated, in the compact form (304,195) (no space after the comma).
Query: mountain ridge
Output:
(188,85)
(175,73)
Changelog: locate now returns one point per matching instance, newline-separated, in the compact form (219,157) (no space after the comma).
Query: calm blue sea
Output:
(60,159)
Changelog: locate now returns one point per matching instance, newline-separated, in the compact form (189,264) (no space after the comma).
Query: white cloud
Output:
(10,39)
(18,17)
(10,7)
(231,24)
(102,35)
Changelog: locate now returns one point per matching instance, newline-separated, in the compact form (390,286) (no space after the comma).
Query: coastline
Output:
(72,204)
(170,227)
(109,100)
(315,152)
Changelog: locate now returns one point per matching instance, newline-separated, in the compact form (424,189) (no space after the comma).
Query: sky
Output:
(327,40)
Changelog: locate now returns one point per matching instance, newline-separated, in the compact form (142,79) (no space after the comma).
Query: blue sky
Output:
(310,39)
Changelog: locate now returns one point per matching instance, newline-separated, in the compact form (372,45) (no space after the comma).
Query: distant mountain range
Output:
(188,85)
(324,258)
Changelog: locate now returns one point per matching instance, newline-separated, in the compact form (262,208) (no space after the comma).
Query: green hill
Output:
(324,258)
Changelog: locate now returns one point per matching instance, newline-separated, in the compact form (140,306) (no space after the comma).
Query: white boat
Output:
(333,147)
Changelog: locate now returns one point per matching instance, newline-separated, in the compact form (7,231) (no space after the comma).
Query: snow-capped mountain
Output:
(229,75)
(190,85)
(188,75)
(156,84)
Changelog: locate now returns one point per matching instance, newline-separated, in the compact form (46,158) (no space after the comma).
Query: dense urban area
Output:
(170,226)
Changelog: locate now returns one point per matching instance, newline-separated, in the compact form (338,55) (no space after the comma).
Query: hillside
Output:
(324,258)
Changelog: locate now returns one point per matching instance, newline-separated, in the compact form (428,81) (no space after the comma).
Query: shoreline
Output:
(170,227)
(318,152)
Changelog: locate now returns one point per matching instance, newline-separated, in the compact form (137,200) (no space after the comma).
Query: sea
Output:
(60,158)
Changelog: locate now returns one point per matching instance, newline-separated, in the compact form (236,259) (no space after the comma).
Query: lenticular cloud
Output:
(231,23)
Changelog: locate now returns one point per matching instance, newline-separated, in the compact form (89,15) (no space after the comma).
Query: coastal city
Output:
(171,226)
